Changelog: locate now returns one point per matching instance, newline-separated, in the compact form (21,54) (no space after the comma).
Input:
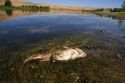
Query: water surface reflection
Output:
(29,27)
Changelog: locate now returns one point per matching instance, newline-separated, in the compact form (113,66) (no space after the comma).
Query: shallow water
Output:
(18,29)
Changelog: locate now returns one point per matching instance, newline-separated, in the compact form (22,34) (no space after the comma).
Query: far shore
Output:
(102,11)
(117,15)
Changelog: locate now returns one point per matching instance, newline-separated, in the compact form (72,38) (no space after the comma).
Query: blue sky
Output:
(82,3)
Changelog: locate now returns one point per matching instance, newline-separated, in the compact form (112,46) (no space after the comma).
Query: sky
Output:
(83,3)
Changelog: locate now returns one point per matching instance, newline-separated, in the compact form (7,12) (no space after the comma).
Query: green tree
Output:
(123,5)
(8,3)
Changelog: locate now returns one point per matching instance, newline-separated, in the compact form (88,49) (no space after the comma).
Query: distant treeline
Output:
(34,8)
(118,10)
(26,8)
(112,9)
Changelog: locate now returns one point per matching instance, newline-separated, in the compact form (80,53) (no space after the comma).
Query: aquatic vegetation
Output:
(99,66)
